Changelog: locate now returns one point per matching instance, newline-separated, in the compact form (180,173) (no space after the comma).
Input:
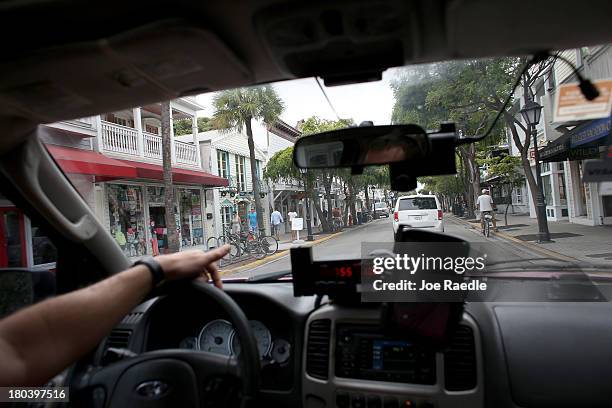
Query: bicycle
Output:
(269,243)
(486,223)
(337,224)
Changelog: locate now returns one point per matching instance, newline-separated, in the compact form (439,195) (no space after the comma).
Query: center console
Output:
(350,363)
(362,352)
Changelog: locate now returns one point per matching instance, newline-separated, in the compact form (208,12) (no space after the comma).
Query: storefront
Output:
(126,212)
(587,203)
(137,216)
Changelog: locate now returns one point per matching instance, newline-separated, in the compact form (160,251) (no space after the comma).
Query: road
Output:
(347,245)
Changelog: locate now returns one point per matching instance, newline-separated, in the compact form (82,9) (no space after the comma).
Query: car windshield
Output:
(226,189)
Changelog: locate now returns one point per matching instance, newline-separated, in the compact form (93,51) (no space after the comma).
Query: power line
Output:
(326,97)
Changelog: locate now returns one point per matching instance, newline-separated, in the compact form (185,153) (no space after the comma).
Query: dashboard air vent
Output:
(118,338)
(460,361)
(317,348)
(132,318)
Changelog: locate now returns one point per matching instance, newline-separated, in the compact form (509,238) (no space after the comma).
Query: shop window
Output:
(240,173)
(607,205)
(152,129)
(226,217)
(562,190)
(23,287)
(192,231)
(222,163)
(258,169)
(518,194)
(43,250)
(127,218)
(12,238)
(548,199)
(545,167)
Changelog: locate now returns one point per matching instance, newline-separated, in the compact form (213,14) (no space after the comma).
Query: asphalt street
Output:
(348,245)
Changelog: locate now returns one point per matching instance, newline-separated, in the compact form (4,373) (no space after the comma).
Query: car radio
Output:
(362,352)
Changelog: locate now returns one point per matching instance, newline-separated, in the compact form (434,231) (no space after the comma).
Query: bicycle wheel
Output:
(221,240)
(269,244)
(487,229)
(233,253)
(213,242)
(257,249)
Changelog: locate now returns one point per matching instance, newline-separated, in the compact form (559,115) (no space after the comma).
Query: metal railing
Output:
(122,139)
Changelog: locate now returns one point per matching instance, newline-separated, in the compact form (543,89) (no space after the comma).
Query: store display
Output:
(126,217)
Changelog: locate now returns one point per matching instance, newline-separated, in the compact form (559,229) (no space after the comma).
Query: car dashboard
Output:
(503,354)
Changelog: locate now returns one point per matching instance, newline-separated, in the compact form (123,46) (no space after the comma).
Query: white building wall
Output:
(563,70)
(277,144)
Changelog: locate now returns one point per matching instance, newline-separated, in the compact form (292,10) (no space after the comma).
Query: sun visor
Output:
(157,62)
(341,42)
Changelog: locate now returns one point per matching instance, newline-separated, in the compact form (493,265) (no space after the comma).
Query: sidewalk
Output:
(592,244)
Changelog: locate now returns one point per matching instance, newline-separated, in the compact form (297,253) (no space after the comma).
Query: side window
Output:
(27,260)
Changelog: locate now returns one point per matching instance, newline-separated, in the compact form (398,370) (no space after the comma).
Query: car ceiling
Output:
(69,59)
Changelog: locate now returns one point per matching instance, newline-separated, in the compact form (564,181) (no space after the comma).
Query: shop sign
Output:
(591,131)
(297,224)
(571,105)
(597,170)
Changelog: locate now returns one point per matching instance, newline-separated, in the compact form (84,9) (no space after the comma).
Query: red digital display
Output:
(338,270)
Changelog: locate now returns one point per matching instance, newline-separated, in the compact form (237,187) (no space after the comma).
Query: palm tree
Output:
(236,108)
(172,236)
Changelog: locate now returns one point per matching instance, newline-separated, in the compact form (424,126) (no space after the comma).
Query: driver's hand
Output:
(193,264)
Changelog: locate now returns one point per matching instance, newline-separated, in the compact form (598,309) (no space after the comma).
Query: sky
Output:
(303,99)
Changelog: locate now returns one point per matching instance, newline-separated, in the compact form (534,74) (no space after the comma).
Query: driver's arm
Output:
(40,341)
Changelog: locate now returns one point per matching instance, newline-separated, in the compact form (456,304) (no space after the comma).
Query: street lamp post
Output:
(308,225)
(531,114)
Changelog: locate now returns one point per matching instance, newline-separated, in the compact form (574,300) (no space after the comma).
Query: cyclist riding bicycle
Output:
(485,205)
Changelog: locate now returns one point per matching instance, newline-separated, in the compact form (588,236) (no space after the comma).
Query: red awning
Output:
(155,172)
(80,161)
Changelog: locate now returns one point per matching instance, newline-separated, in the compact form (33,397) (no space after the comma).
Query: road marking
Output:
(277,255)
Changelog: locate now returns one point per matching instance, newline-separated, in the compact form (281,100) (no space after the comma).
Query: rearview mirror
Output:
(361,146)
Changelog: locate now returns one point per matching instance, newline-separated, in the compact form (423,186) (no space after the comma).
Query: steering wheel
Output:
(176,377)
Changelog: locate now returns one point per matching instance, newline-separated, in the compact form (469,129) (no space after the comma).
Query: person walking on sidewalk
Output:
(253,220)
(485,205)
(290,216)
(276,219)
(236,223)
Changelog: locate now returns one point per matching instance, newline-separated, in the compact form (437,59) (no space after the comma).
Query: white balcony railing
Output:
(124,140)
(185,153)
(120,139)
(152,145)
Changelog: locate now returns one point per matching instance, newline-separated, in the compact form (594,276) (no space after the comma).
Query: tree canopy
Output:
(468,93)
(183,126)
(235,108)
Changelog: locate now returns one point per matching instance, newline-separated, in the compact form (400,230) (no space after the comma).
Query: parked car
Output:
(381,210)
(418,211)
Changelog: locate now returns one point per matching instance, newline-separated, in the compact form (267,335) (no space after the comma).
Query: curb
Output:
(533,247)
(277,255)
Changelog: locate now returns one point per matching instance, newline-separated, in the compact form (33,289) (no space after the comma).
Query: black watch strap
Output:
(154,267)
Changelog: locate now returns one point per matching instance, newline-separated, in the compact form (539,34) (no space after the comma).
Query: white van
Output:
(418,211)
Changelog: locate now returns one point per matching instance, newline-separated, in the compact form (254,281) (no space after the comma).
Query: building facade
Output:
(564,147)
(115,162)
(226,154)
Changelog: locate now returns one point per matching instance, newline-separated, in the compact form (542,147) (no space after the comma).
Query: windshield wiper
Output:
(269,277)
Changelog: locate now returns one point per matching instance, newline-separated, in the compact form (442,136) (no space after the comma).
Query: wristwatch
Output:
(154,267)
